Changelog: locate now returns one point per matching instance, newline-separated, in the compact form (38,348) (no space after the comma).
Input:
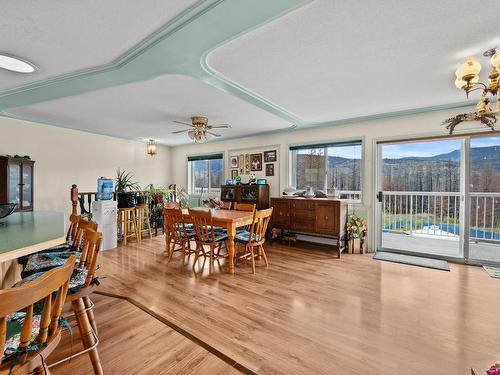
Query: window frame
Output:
(292,161)
(190,172)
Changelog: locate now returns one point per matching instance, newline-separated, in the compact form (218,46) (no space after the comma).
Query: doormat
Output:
(412,260)
(492,271)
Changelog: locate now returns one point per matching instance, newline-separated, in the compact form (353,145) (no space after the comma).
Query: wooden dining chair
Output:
(250,207)
(82,283)
(55,257)
(255,236)
(179,233)
(30,321)
(206,234)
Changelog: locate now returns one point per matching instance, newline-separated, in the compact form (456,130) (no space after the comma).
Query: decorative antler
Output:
(488,119)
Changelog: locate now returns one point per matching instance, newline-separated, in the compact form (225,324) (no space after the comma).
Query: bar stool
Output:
(127,218)
(143,212)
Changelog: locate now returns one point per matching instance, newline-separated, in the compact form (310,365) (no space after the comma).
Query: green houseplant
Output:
(125,188)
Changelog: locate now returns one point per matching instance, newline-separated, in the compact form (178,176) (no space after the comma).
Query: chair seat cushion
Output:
(75,282)
(42,262)
(244,236)
(219,236)
(55,249)
(13,336)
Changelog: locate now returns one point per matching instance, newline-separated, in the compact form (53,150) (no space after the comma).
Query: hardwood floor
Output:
(308,313)
(133,342)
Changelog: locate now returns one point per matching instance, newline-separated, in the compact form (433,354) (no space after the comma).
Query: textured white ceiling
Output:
(146,109)
(333,60)
(64,36)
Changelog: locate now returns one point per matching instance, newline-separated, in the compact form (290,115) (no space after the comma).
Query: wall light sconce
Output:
(151,148)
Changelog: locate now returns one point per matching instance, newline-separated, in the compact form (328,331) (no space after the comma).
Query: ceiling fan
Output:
(199,128)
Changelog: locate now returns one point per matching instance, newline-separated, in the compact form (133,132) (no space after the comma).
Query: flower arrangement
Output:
(214,203)
(493,370)
(356,226)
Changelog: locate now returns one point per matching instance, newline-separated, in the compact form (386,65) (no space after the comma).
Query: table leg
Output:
(231,232)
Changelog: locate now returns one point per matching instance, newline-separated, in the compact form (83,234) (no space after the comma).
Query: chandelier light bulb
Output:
(469,69)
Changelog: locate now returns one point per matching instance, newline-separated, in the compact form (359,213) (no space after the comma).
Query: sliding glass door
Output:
(420,197)
(441,198)
(484,216)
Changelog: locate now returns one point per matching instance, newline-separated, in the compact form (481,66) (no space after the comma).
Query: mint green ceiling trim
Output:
(203,27)
(164,52)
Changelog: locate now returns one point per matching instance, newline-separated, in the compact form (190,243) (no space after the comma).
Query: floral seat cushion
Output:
(244,236)
(42,262)
(76,281)
(219,236)
(62,247)
(13,336)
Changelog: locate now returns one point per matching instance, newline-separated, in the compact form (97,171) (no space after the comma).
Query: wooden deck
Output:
(308,313)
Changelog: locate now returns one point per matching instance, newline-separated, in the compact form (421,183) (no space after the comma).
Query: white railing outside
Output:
(352,195)
(438,214)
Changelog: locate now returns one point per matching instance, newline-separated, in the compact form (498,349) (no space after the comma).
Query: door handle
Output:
(380,196)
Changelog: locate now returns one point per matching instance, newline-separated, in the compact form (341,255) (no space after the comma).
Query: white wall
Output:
(424,124)
(64,157)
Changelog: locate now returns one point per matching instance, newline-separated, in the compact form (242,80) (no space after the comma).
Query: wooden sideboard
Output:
(322,217)
(258,194)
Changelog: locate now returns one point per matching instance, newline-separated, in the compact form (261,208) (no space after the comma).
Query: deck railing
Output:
(438,214)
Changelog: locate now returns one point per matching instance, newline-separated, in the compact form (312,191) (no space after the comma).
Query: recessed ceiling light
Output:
(16,64)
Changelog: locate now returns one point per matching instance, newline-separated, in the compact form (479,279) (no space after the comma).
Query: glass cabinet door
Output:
(27,186)
(14,187)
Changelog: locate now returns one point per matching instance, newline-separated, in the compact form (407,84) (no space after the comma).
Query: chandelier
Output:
(467,79)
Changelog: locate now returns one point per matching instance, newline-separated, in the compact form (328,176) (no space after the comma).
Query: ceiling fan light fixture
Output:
(16,64)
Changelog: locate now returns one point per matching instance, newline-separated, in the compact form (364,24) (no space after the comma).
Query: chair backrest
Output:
(250,207)
(227,205)
(174,222)
(259,225)
(90,252)
(203,223)
(74,220)
(171,205)
(83,224)
(23,298)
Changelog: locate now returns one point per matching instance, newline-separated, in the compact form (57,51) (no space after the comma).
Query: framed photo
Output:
(270,156)
(256,162)
(234,162)
(234,174)
(241,164)
(247,164)
(269,169)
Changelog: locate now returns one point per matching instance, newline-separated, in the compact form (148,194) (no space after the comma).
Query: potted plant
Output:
(356,228)
(143,195)
(125,189)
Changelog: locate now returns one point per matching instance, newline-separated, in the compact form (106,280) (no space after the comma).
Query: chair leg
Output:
(41,370)
(171,251)
(253,259)
(88,303)
(263,252)
(86,334)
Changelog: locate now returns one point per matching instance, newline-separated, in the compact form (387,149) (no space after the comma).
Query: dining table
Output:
(25,233)
(229,220)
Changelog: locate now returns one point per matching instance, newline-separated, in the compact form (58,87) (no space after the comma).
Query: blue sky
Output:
(431,148)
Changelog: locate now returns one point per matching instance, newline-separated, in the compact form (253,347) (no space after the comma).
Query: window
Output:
(327,166)
(206,173)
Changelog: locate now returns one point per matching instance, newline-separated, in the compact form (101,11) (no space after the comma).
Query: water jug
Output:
(104,189)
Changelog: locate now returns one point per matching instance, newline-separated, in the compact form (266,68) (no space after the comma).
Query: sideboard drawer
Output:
(298,204)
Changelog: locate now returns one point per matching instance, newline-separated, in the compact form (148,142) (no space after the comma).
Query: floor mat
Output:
(412,260)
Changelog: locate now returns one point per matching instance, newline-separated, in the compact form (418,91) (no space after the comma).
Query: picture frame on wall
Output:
(256,162)
(247,164)
(234,174)
(241,164)
(234,162)
(270,156)
(269,170)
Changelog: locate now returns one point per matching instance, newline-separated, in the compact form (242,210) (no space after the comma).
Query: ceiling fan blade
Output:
(181,131)
(219,126)
(183,123)
(214,134)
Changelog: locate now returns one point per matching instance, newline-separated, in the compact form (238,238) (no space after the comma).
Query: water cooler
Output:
(104,213)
